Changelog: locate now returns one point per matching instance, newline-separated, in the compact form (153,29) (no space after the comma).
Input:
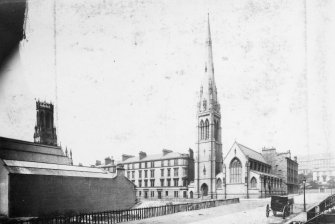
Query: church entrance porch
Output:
(204,190)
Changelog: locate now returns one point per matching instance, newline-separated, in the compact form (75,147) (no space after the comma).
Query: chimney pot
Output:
(142,155)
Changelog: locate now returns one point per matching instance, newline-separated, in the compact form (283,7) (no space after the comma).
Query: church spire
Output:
(208,92)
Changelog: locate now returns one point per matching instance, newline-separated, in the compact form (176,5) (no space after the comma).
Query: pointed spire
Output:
(71,153)
(208,92)
(66,151)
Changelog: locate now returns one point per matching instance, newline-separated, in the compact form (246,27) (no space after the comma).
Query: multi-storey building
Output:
(283,166)
(165,175)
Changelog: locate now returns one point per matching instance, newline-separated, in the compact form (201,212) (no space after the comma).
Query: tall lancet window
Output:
(202,129)
(206,129)
(235,171)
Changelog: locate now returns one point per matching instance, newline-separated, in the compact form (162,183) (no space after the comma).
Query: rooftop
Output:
(252,154)
(35,168)
(153,157)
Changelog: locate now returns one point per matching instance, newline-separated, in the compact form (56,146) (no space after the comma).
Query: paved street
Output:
(247,211)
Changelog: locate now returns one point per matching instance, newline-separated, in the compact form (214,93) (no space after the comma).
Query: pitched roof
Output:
(34,168)
(252,154)
(152,157)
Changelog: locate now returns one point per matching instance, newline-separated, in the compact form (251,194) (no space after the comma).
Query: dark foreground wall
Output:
(34,195)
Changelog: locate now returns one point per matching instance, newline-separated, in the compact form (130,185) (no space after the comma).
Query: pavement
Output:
(248,211)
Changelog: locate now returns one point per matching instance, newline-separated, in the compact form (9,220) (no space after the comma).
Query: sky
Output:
(125,75)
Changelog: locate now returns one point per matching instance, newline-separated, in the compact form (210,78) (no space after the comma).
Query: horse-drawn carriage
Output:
(281,204)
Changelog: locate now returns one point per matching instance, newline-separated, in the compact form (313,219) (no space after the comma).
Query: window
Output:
(152,173)
(166,193)
(253,182)
(184,171)
(168,162)
(162,163)
(133,166)
(140,173)
(162,172)
(152,164)
(146,164)
(133,174)
(176,162)
(140,193)
(140,183)
(140,165)
(162,182)
(133,181)
(128,174)
(168,182)
(202,130)
(152,183)
(176,194)
(145,173)
(128,166)
(216,130)
(235,171)
(169,172)
(152,194)
(207,129)
(184,182)
(184,194)
(175,181)
(145,183)
(175,172)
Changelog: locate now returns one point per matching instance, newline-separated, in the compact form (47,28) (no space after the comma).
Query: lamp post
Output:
(304,182)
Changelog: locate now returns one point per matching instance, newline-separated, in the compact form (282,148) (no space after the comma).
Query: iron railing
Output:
(117,216)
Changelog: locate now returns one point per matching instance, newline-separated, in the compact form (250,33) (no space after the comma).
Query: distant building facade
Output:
(321,166)
(284,167)
(158,176)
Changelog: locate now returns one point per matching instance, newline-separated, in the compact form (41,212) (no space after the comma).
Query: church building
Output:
(208,160)
(243,172)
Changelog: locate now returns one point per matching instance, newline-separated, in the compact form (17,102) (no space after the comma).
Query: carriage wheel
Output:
(267,210)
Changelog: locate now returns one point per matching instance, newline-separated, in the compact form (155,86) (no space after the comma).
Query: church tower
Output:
(209,148)
(45,132)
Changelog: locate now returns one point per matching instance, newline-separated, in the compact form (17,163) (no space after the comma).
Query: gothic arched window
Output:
(206,129)
(216,130)
(202,131)
(48,120)
(218,183)
(253,182)
(235,171)
(42,119)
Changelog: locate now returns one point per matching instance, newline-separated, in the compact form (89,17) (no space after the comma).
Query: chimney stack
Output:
(98,163)
(142,155)
(296,159)
(120,170)
(125,157)
(108,160)
(166,151)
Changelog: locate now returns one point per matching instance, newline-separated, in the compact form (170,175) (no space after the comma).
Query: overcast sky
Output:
(128,73)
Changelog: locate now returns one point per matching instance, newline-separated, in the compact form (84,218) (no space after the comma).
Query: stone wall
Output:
(38,195)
